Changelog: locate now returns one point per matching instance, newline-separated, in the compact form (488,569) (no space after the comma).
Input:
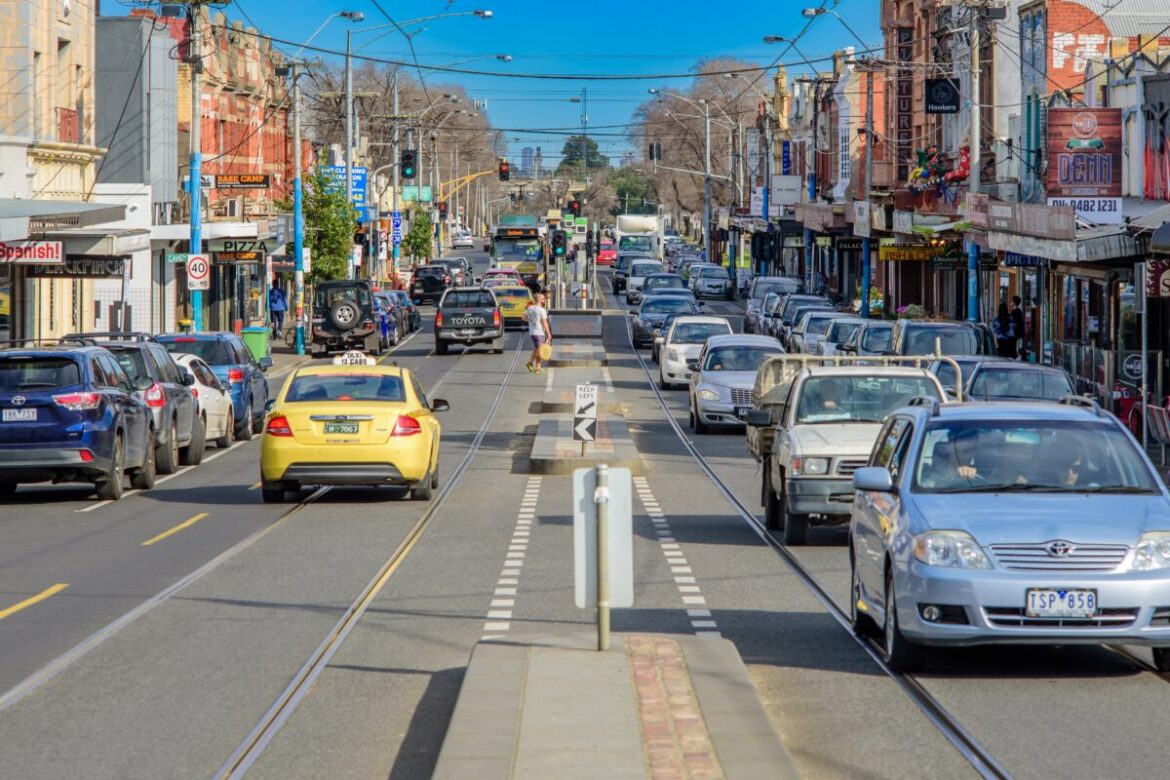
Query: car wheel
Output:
(863,625)
(422,490)
(167,453)
(773,517)
(1162,658)
(248,426)
(900,654)
(111,488)
(435,475)
(440,347)
(192,454)
(143,477)
(701,428)
(795,525)
(662,383)
(225,441)
(7,489)
(498,347)
(274,492)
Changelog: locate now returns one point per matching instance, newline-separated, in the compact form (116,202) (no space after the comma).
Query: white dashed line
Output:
(499,614)
(689,591)
(607,379)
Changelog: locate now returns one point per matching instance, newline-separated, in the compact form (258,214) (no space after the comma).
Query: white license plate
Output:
(467,332)
(1061,603)
(742,412)
(19,415)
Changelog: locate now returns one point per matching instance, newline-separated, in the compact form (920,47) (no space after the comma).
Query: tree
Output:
(417,241)
(330,223)
(571,154)
(631,187)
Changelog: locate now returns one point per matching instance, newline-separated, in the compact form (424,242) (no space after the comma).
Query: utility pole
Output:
(298,217)
(974,136)
(867,241)
(707,182)
(349,138)
(584,138)
(395,158)
(195,169)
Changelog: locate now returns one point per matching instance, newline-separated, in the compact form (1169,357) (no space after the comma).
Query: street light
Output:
(355,17)
(813,13)
(770,39)
(398,26)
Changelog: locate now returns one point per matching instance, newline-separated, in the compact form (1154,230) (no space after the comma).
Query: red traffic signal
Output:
(505,172)
(442,209)
(575,208)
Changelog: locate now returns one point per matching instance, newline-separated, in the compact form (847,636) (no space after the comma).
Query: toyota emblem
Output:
(18,400)
(1059,549)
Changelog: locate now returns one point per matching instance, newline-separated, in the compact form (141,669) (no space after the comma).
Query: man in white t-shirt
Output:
(538,331)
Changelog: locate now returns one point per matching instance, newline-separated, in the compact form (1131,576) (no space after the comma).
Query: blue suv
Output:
(235,367)
(72,415)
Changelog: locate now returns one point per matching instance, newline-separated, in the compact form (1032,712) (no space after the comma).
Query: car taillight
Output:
(439,318)
(235,375)
(406,426)
(278,426)
(155,397)
(195,393)
(447,279)
(495,318)
(77,402)
(86,456)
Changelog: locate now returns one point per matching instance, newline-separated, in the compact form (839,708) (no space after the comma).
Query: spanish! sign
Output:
(28,252)
(1084,162)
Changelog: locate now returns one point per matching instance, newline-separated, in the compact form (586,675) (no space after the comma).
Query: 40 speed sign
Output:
(198,273)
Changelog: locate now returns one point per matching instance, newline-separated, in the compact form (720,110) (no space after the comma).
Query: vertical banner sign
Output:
(1158,278)
(904,102)
(1084,162)
(396,227)
(585,413)
(785,157)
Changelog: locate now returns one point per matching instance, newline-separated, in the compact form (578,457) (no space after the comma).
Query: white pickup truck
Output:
(813,423)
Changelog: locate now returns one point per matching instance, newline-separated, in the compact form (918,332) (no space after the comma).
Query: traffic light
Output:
(574,208)
(442,209)
(559,243)
(513,197)
(408,163)
(504,172)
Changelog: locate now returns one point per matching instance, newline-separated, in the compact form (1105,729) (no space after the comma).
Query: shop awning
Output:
(22,218)
(102,242)
(1092,245)
(211,230)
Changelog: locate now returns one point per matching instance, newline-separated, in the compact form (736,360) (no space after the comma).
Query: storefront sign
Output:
(786,190)
(942,96)
(899,253)
(862,216)
(786,162)
(1084,162)
(242,181)
(177,257)
(904,222)
(238,257)
(824,241)
(1158,278)
(79,267)
(904,101)
(28,252)
(1017,260)
(259,246)
(978,206)
(848,244)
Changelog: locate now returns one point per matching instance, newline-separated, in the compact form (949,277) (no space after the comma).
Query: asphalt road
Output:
(191,664)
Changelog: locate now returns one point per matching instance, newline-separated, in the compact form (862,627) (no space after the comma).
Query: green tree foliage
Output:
(631,187)
(329,226)
(418,240)
(571,155)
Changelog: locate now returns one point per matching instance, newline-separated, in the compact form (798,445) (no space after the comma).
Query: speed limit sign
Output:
(198,273)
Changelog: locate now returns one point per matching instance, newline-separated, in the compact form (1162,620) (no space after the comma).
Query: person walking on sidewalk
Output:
(277,305)
(538,331)
(1021,350)
(1005,333)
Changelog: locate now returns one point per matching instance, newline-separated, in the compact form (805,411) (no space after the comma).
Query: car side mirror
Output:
(759,418)
(270,404)
(846,348)
(701,303)
(659,340)
(439,405)
(187,378)
(873,479)
(692,365)
(143,383)
(265,363)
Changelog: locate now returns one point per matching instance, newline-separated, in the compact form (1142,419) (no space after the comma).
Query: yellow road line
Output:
(44,594)
(175,530)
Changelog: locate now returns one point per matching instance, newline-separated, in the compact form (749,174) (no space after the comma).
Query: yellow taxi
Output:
(514,301)
(350,423)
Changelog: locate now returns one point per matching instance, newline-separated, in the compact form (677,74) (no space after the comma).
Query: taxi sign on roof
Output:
(354,358)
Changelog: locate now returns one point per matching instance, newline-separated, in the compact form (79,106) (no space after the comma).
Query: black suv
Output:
(430,282)
(469,315)
(460,270)
(166,390)
(343,318)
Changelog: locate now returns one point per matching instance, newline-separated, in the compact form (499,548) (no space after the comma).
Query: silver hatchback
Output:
(1024,523)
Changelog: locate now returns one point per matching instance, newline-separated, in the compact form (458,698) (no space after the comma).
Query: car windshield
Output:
(794,316)
(877,338)
(513,250)
(841,331)
(1020,383)
(212,351)
(664,282)
(469,299)
(772,304)
(665,304)
(738,358)
(794,303)
(606,246)
(762,287)
(868,399)
(817,324)
(346,387)
(920,340)
(645,269)
(433,270)
(1075,456)
(698,332)
(634,243)
(19,373)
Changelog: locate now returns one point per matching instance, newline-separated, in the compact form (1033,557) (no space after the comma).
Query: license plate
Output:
(466,331)
(341,427)
(20,415)
(742,412)
(1061,603)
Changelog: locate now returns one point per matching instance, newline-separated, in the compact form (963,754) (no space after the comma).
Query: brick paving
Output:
(674,734)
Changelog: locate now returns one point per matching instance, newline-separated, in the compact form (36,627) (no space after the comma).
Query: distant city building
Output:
(527,155)
(537,165)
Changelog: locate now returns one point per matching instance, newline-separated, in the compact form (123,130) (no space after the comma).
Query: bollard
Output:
(601,498)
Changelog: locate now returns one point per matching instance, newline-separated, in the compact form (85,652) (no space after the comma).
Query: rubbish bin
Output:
(257,341)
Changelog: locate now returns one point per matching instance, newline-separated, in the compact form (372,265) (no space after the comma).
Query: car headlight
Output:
(814,466)
(672,354)
(1152,551)
(708,395)
(951,549)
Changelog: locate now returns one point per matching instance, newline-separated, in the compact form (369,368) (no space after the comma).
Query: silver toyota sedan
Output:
(1024,523)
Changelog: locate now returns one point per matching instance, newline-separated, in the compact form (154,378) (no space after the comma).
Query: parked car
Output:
(713,281)
(839,331)
(794,314)
(810,329)
(720,393)
(639,270)
(237,370)
(166,391)
(429,282)
(72,414)
(948,377)
(785,314)
(766,320)
(1016,523)
(343,318)
(681,343)
(397,317)
(389,332)
(919,337)
(606,253)
(212,398)
(872,338)
(653,311)
(758,291)
(1009,380)
(413,318)
(469,315)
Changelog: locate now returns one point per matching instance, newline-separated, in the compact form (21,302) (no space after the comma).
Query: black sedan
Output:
(654,311)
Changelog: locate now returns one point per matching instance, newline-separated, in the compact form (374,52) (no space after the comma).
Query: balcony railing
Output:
(68,126)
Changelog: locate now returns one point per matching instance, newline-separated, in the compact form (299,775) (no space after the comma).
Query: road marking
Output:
(255,487)
(44,594)
(495,627)
(171,532)
(398,346)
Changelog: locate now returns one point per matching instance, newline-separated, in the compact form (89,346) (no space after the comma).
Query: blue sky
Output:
(598,37)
